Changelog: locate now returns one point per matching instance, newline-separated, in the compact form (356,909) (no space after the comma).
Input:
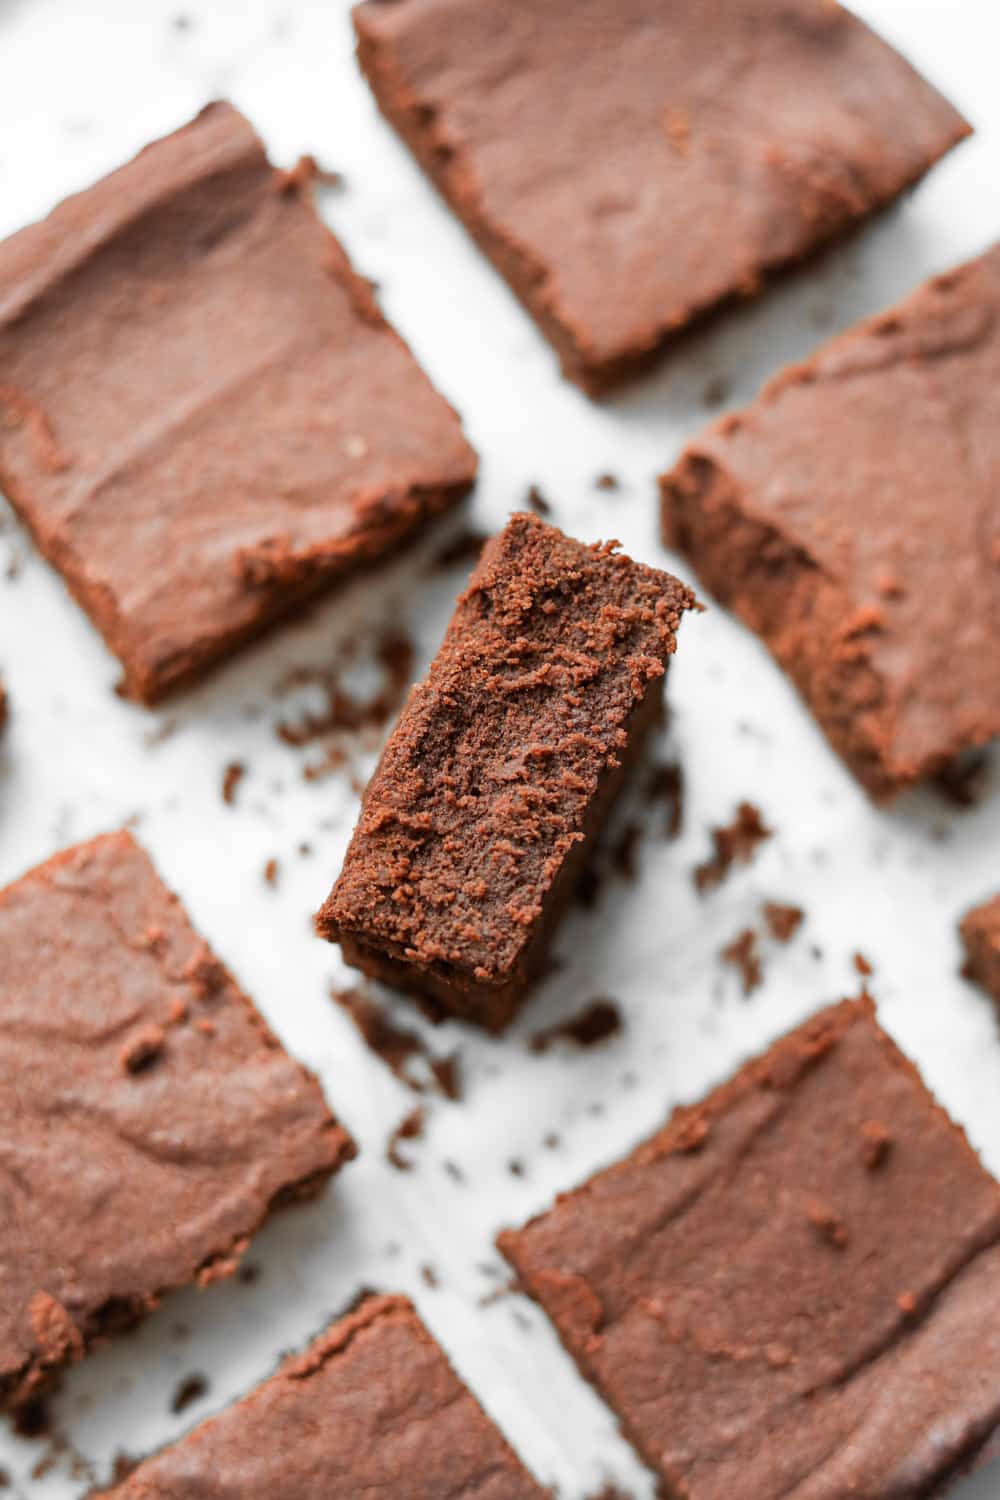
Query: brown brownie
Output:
(981,935)
(372,1408)
(792,1289)
(850,517)
(151,1121)
(204,418)
(629,165)
(476,824)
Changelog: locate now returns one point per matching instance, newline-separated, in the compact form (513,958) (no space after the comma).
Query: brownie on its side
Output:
(851,517)
(630,165)
(372,1408)
(477,822)
(204,418)
(794,1288)
(151,1121)
(980,931)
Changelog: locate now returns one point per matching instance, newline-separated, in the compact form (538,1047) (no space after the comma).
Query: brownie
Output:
(372,1408)
(204,418)
(980,929)
(629,166)
(850,517)
(485,805)
(151,1121)
(791,1289)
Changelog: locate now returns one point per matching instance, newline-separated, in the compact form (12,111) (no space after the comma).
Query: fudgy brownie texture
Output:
(151,1121)
(629,165)
(851,517)
(475,826)
(204,418)
(793,1288)
(372,1408)
(981,935)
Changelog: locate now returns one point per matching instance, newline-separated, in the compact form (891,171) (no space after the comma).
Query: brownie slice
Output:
(477,822)
(792,1289)
(850,517)
(980,931)
(204,418)
(151,1121)
(629,165)
(372,1408)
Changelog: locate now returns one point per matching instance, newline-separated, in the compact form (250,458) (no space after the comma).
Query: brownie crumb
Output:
(343,711)
(447,1075)
(248,1275)
(232,776)
(429,1276)
(144,1049)
(743,955)
(516,1167)
(716,391)
(271,870)
(454,1171)
(862,965)
(410,1128)
(735,843)
(607,481)
(398,1047)
(666,785)
(538,502)
(465,546)
(191,1389)
(828,1225)
(594,1024)
(876,1143)
(783,921)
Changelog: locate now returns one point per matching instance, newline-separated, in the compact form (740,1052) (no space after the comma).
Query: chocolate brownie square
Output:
(204,418)
(980,930)
(793,1288)
(491,791)
(630,165)
(150,1120)
(850,517)
(371,1409)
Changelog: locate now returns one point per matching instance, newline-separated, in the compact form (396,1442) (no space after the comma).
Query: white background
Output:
(83,85)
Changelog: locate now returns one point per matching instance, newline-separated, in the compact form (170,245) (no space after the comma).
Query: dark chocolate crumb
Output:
(344,712)
(743,955)
(783,921)
(597,1022)
(607,481)
(191,1389)
(232,776)
(397,1046)
(410,1128)
(32,1419)
(716,391)
(248,1275)
(454,1171)
(552,1141)
(429,1276)
(538,502)
(447,1075)
(735,842)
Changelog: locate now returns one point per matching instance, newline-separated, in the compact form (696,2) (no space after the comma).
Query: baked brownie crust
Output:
(629,165)
(204,418)
(791,1289)
(981,935)
(151,1121)
(372,1408)
(850,517)
(502,768)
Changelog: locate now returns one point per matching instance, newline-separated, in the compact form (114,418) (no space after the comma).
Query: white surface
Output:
(82,85)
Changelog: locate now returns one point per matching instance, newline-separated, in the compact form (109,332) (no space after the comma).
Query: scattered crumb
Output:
(716,392)
(143,1050)
(515,1167)
(271,870)
(429,1276)
(552,1141)
(191,1389)
(248,1275)
(594,1024)
(743,955)
(735,842)
(538,502)
(410,1128)
(623,851)
(343,711)
(607,481)
(447,1075)
(783,921)
(464,547)
(232,776)
(397,1046)
(305,850)
(666,784)
(454,1171)
(862,965)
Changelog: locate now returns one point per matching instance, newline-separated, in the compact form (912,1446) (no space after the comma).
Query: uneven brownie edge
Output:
(821,525)
(372,1407)
(911,1352)
(839,209)
(141,1071)
(980,932)
(331,519)
(502,769)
